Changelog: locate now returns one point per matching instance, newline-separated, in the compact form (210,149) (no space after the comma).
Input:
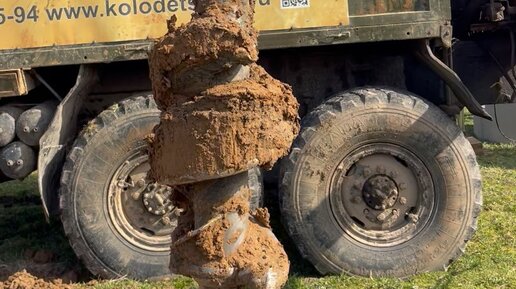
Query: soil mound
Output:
(24,280)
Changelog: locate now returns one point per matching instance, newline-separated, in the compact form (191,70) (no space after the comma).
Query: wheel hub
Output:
(141,210)
(380,192)
(157,200)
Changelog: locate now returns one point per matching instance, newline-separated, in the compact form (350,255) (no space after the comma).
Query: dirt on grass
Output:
(40,269)
(24,280)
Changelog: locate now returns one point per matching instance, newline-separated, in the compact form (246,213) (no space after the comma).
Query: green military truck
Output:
(381,181)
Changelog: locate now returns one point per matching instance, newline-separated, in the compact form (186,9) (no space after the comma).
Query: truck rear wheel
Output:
(118,222)
(380,183)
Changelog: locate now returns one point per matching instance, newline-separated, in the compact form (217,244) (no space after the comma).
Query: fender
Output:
(60,133)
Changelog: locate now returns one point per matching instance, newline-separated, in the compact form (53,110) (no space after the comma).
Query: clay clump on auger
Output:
(222,115)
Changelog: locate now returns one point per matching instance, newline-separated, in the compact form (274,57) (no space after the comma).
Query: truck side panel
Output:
(367,7)
(30,23)
(71,32)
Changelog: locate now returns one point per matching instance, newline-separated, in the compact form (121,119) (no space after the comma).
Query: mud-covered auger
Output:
(222,115)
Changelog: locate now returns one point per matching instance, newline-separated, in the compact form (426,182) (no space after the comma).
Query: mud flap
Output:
(59,134)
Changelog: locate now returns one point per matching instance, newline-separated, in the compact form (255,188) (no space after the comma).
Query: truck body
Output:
(90,58)
(69,32)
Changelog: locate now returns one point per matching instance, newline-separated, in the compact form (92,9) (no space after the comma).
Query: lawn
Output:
(489,262)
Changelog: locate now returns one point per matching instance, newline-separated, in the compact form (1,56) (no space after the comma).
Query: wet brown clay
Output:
(216,125)
(221,115)
(193,57)
(24,280)
(258,262)
(228,129)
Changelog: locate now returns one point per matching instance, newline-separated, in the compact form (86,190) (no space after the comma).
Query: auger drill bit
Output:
(222,115)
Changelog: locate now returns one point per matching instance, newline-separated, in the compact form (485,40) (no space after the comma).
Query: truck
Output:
(380,182)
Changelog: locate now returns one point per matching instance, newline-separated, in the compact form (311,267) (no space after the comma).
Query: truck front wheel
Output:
(118,222)
(380,183)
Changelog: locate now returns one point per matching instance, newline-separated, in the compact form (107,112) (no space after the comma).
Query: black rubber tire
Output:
(350,120)
(92,160)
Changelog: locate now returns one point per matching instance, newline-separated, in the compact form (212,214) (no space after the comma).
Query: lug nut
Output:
(122,184)
(382,216)
(403,200)
(413,218)
(166,221)
(149,209)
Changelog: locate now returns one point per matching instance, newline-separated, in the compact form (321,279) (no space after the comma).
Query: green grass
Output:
(23,225)
(23,228)
(489,262)
(179,283)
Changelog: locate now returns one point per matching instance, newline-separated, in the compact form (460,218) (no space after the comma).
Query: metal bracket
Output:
(447,35)
(459,89)
(15,82)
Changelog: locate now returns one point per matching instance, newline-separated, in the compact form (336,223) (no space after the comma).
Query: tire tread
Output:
(107,117)
(340,103)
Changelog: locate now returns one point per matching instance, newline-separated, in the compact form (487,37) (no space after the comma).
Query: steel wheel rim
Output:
(141,227)
(400,215)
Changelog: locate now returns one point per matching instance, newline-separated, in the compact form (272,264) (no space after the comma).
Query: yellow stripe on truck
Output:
(31,23)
